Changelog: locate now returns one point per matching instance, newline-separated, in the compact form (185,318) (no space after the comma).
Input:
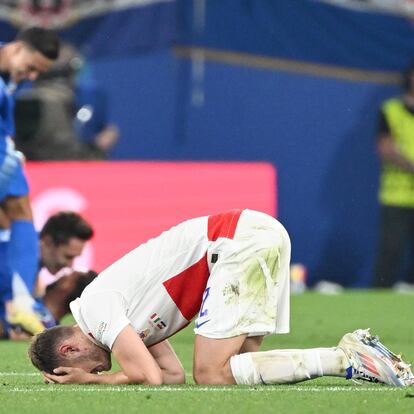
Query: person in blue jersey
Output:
(52,306)
(62,239)
(32,52)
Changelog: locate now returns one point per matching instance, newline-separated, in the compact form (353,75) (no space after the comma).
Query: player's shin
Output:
(288,366)
(6,273)
(24,251)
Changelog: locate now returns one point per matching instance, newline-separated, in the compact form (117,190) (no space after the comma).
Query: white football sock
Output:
(288,366)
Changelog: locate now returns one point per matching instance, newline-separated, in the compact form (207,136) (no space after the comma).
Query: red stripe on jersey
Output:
(223,225)
(186,289)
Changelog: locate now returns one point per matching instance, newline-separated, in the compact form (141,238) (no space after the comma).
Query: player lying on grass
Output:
(233,270)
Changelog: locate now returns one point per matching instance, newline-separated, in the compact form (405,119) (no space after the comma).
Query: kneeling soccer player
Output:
(233,270)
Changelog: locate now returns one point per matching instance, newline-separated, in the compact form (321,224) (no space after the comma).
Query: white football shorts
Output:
(248,288)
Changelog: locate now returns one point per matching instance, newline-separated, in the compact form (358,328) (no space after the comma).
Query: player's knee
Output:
(211,375)
(177,378)
(204,375)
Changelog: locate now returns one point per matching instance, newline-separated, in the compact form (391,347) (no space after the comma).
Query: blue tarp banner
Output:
(97,27)
(317,31)
(307,30)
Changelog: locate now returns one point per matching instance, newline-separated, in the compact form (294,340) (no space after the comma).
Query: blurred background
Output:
(186,107)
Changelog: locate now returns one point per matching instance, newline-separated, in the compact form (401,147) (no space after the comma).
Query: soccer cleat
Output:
(27,321)
(371,361)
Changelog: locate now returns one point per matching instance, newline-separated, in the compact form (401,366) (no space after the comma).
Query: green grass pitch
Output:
(316,321)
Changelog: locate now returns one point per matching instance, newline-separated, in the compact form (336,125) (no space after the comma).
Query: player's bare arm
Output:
(171,367)
(135,360)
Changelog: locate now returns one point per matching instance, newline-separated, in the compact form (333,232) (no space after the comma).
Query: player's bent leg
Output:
(24,247)
(359,355)
(6,273)
(251,344)
(288,366)
(212,359)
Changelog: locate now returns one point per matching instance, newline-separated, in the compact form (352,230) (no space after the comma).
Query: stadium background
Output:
(296,84)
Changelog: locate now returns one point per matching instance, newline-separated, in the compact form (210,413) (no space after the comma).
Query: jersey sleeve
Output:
(105,315)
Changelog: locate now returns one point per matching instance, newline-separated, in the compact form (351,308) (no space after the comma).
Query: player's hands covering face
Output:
(67,375)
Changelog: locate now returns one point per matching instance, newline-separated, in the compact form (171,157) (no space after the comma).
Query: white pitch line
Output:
(260,388)
(55,389)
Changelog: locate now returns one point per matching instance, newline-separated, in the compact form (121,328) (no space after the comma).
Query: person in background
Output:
(62,239)
(63,116)
(32,52)
(52,306)
(395,146)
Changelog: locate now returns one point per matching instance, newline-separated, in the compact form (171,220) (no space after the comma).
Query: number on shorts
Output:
(204,312)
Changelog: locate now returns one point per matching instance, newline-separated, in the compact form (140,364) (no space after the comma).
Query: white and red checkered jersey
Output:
(157,287)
